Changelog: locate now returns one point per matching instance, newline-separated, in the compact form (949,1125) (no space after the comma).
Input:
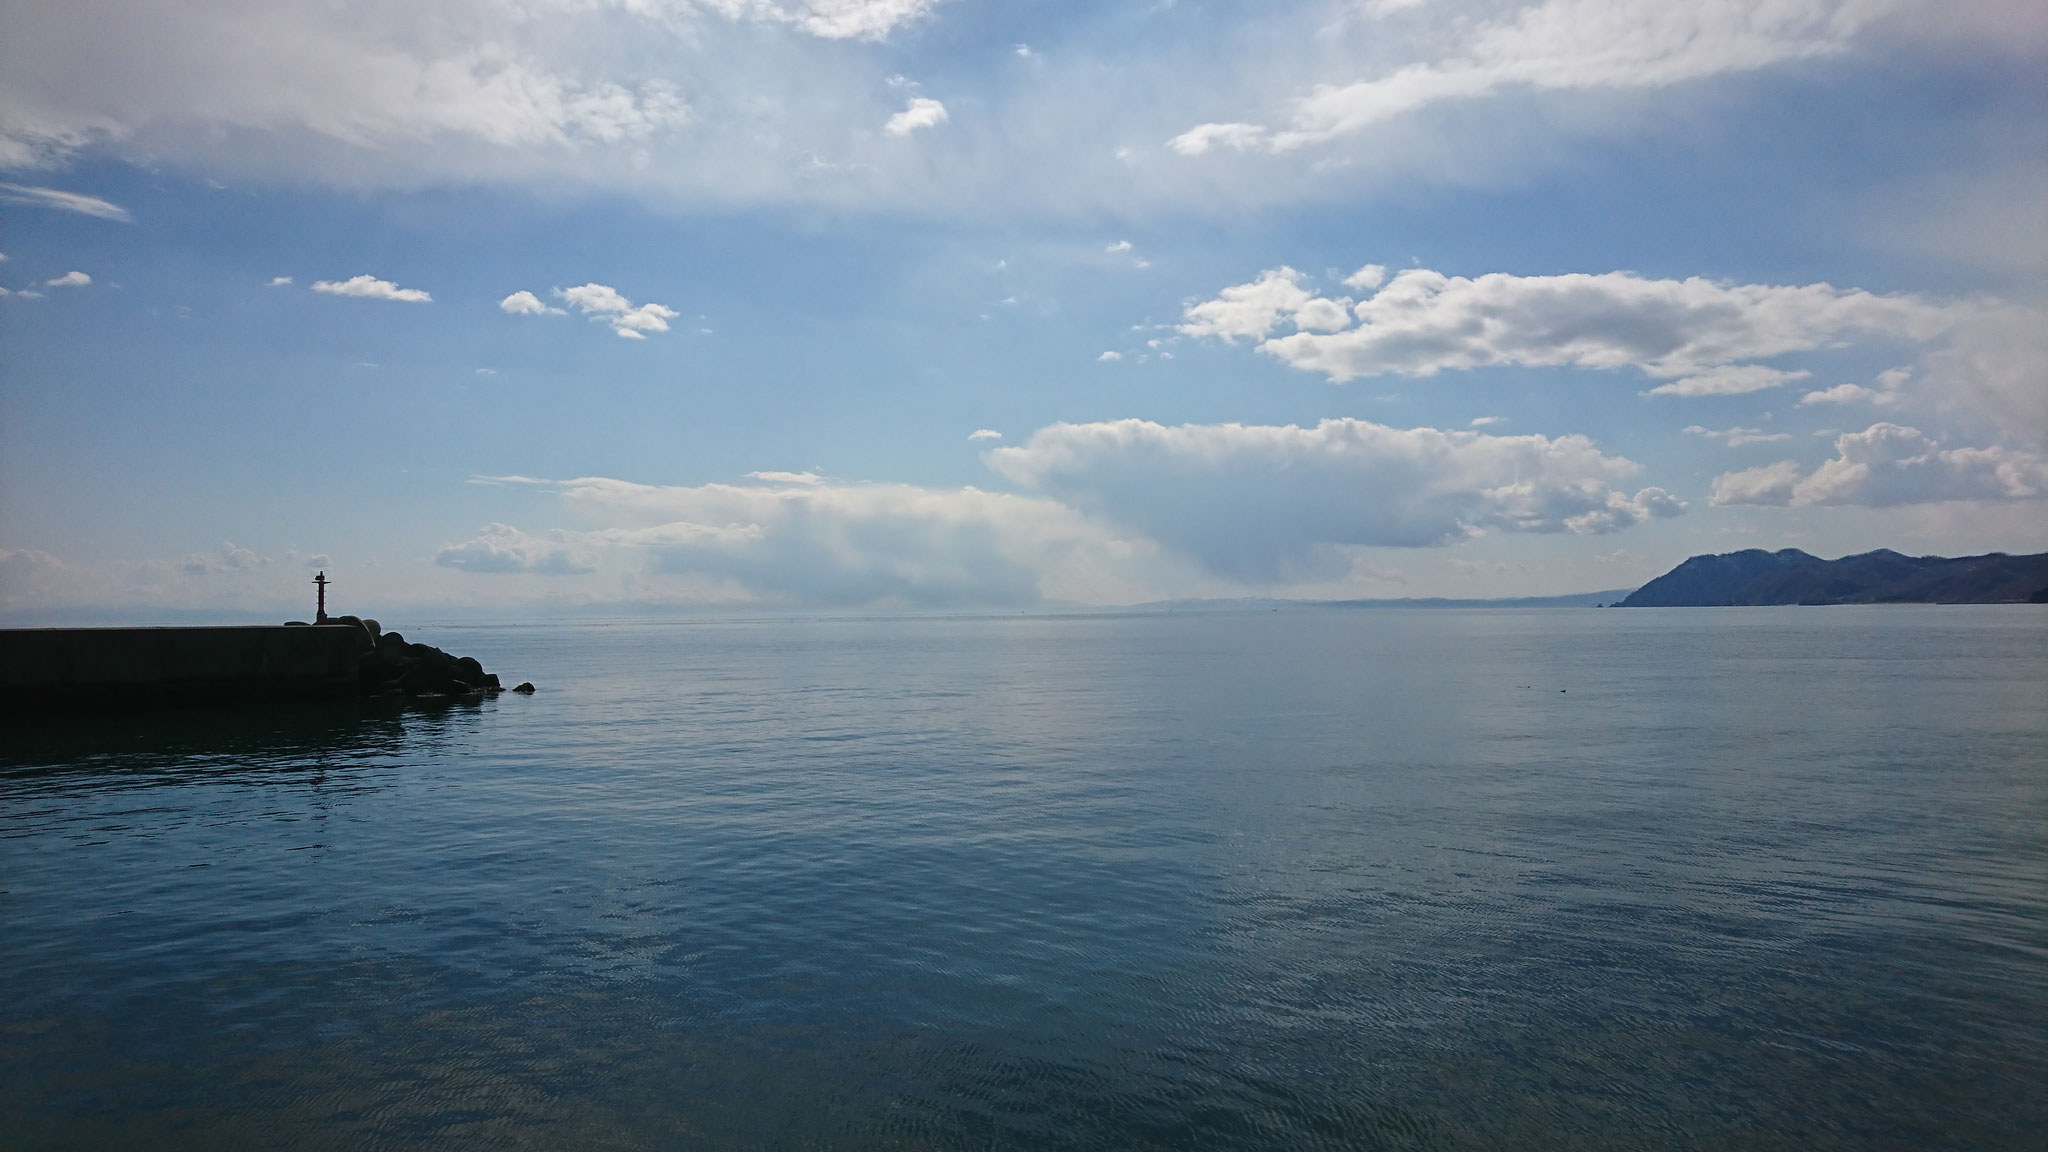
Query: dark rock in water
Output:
(526,688)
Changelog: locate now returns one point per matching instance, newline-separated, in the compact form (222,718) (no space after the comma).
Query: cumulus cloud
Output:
(1695,333)
(984,434)
(64,201)
(922,112)
(1564,45)
(1106,357)
(1111,513)
(1887,465)
(229,558)
(1249,310)
(604,303)
(1889,389)
(280,281)
(501,548)
(371,288)
(524,303)
(72,279)
(813,542)
(1260,502)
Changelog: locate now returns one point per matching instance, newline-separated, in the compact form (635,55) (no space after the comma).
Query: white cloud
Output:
(229,558)
(1423,322)
(1249,310)
(371,288)
(1566,45)
(501,548)
(1367,278)
(1487,421)
(1119,246)
(922,112)
(1260,502)
(64,201)
(806,479)
(524,303)
(1737,437)
(1109,356)
(1202,138)
(31,577)
(1889,390)
(830,19)
(603,302)
(1888,465)
(1840,394)
(823,543)
(1728,380)
(280,281)
(72,279)
(984,434)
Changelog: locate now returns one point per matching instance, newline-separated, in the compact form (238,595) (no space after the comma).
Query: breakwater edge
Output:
(336,658)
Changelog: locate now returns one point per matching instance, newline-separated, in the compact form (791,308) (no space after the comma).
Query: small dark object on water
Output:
(525,688)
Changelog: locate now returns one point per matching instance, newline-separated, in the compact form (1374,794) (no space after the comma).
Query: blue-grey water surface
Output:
(1721,878)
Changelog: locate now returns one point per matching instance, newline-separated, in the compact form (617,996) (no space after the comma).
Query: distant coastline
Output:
(1790,576)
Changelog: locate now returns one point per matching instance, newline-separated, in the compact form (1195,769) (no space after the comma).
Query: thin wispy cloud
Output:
(62,201)
(1561,45)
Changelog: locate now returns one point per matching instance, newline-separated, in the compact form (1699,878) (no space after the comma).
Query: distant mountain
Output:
(1881,577)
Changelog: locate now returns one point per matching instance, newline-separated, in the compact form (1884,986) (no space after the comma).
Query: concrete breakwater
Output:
(111,667)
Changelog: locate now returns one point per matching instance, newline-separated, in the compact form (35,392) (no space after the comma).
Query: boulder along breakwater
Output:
(388,665)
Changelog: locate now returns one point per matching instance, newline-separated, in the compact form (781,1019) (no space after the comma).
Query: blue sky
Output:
(550,306)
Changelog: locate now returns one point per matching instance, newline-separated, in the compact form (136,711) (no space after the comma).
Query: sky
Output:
(566,307)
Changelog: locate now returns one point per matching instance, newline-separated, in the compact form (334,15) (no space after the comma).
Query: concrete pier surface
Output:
(115,667)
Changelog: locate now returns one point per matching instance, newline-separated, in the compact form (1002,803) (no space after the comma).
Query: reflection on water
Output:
(1345,880)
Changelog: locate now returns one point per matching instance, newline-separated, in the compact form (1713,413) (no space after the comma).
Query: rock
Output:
(525,688)
(390,665)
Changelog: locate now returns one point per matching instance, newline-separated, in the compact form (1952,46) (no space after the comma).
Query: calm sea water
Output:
(1771,878)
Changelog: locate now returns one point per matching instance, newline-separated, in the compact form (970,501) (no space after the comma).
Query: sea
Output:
(1304,878)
